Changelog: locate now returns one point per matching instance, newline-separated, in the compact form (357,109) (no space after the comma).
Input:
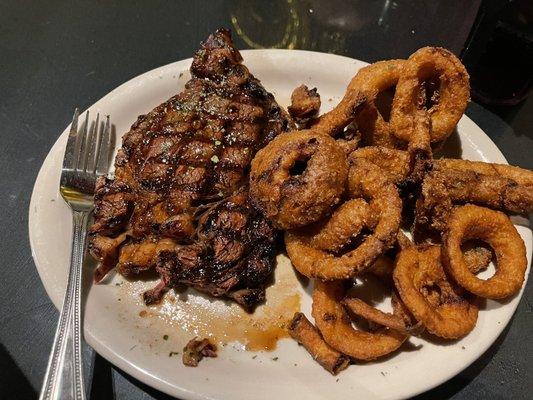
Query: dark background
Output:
(55,55)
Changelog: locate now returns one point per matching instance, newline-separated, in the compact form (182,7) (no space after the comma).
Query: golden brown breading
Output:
(372,314)
(305,333)
(446,105)
(335,326)
(428,294)
(298,178)
(494,228)
(305,104)
(366,181)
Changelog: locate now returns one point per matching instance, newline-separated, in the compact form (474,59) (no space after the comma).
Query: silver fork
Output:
(86,157)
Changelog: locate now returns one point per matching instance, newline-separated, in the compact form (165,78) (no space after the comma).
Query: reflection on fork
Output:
(87,156)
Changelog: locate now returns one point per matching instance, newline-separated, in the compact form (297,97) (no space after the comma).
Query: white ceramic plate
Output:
(122,330)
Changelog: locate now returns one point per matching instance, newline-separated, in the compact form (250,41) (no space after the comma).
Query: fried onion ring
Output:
(345,223)
(342,115)
(373,80)
(430,296)
(400,309)
(453,93)
(445,187)
(494,228)
(335,326)
(298,178)
(359,103)
(494,191)
(388,320)
(311,249)
(366,180)
(519,175)
(305,333)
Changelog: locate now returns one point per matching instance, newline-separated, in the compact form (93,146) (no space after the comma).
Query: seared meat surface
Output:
(178,203)
(233,255)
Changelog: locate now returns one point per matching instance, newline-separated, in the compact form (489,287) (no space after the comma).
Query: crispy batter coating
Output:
(372,80)
(419,149)
(305,104)
(366,181)
(519,175)
(400,309)
(477,256)
(298,178)
(445,105)
(343,225)
(335,326)
(455,182)
(384,264)
(394,162)
(382,269)
(432,206)
(494,191)
(403,241)
(494,228)
(342,115)
(389,320)
(313,250)
(305,333)
(348,146)
(429,295)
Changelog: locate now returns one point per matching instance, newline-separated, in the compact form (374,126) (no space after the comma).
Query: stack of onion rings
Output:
(315,257)
(363,176)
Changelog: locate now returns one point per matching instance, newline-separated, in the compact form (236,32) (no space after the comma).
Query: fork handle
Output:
(64,374)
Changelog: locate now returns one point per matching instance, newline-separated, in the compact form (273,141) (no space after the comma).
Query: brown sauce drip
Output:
(190,315)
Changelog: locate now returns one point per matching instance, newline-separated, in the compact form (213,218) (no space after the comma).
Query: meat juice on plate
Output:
(184,315)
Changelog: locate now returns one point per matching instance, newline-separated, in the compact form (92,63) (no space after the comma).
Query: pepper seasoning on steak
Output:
(178,203)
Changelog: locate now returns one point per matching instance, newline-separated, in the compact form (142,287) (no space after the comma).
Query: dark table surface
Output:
(55,55)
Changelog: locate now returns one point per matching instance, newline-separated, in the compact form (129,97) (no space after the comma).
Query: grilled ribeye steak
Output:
(179,201)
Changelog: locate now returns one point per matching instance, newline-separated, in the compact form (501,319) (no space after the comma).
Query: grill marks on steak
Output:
(178,203)
(233,256)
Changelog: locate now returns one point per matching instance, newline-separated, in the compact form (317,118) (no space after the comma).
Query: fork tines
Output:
(88,148)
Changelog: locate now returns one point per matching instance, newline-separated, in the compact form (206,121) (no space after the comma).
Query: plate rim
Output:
(106,350)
